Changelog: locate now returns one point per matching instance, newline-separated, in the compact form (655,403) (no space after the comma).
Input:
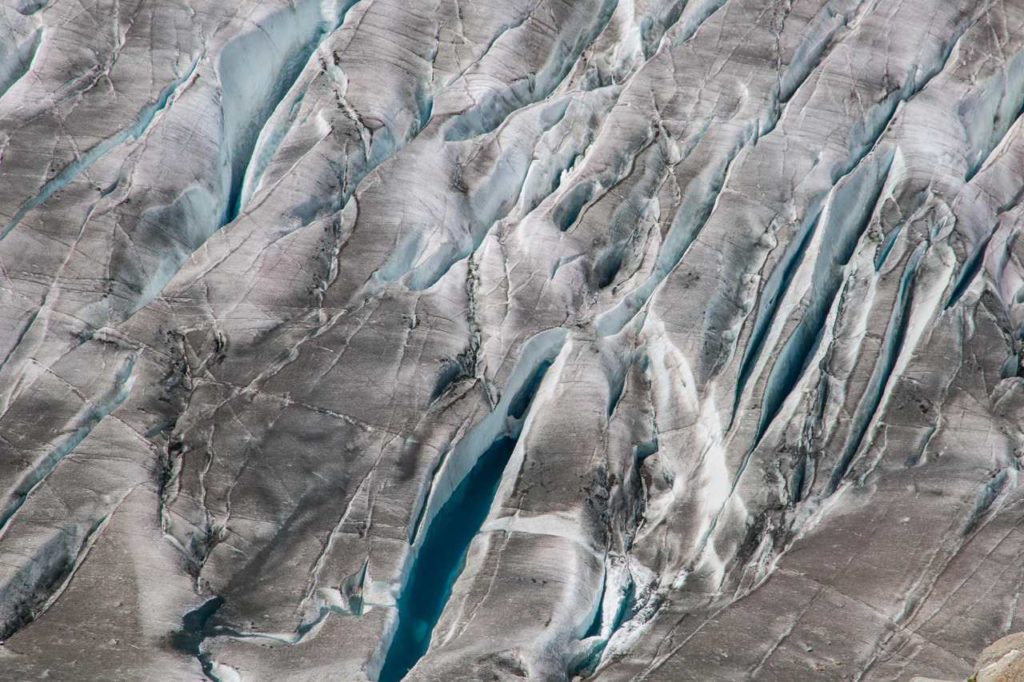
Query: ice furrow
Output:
(829,23)
(503,30)
(969,271)
(845,218)
(690,21)
(249,123)
(289,98)
(881,377)
(36,605)
(496,106)
(685,229)
(91,415)
(775,290)
(868,132)
(614,606)
(143,122)
(987,497)
(987,129)
(14,69)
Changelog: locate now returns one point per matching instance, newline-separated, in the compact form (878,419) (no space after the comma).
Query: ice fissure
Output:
(456,507)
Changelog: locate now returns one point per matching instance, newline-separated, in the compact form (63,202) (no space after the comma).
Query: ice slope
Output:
(537,339)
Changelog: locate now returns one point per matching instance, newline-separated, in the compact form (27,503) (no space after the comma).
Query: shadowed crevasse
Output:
(441,559)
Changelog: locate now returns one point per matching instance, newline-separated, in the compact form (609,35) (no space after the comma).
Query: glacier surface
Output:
(378,340)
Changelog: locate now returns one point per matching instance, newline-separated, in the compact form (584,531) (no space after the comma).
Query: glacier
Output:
(377,340)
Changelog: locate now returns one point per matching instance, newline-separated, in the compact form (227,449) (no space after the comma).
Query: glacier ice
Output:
(543,339)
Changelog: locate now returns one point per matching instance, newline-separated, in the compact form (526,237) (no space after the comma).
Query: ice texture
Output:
(452,340)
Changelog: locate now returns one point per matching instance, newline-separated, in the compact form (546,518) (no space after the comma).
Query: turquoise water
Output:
(441,559)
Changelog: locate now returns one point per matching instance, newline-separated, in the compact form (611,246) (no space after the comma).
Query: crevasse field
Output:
(473,340)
